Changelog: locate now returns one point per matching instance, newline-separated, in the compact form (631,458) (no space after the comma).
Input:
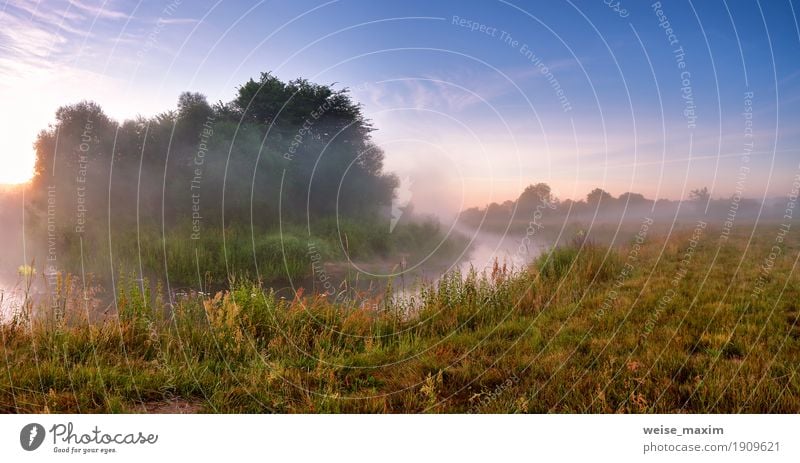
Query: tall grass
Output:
(216,256)
(528,341)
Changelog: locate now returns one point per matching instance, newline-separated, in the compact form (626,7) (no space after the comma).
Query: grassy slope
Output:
(532,342)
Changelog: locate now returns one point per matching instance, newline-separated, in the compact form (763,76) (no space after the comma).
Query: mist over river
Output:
(336,278)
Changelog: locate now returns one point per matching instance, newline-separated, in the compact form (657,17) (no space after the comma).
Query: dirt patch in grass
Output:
(173,407)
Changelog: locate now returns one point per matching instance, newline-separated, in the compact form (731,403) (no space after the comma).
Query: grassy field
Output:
(691,323)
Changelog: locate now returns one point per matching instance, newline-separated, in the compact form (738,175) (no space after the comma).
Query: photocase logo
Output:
(401,201)
(31,436)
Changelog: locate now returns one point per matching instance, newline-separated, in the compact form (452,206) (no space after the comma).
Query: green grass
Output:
(266,255)
(535,341)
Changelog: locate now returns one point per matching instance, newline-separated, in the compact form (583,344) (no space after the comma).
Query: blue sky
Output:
(465,115)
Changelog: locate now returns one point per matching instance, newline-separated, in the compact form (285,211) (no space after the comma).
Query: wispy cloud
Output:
(178,20)
(40,36)
(102,11)
(37,37)
(460,89)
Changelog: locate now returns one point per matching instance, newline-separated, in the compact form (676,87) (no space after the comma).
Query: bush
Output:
(586,263)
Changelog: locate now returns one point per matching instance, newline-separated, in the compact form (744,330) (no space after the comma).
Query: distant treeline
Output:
(537,202)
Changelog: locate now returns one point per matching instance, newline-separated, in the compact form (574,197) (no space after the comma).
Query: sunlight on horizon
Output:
(20,128)
(17,164)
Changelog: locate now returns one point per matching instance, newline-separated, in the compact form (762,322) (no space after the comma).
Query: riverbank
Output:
(684,324)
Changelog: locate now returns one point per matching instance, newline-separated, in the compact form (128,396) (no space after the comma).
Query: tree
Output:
(700,195)
(632,198)
(81,128)
(285,106)
(535,195)
(169,163)
(73,157)
(598,195)
(193,106)
(260,101)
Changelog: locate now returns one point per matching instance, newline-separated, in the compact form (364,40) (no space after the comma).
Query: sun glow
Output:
(18,130)
(16,164)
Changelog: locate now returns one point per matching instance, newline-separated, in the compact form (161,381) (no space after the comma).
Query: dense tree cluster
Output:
(278,151)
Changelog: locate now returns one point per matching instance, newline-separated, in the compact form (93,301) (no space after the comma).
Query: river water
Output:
(486,250)
(342,279)
(12,295)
